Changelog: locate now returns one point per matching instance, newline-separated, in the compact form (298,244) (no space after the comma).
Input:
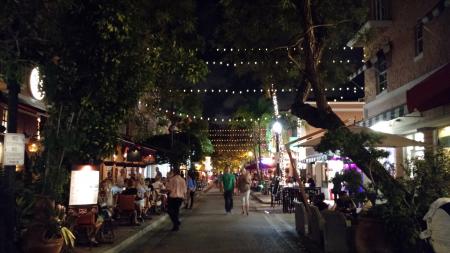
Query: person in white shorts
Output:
(244,182)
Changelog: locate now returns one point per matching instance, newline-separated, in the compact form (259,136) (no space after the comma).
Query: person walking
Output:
(228,183)
(191,187)
(177,190)
(244,182)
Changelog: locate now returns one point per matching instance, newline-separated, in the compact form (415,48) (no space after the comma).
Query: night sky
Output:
(223,77)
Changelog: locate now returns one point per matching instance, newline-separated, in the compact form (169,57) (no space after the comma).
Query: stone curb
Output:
(257,197)
(128,241)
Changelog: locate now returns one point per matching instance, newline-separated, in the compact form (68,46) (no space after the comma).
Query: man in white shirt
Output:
(177,190)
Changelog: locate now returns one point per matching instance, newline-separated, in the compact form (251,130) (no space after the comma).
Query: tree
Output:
(20,45)
(116,53)
(94,77)
(261,112)
(176,149)
(304,30)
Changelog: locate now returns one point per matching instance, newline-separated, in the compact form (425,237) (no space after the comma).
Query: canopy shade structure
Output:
(386,140)
(430,93)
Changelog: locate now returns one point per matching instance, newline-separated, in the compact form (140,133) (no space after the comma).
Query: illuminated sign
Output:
(36,84)
(84,183)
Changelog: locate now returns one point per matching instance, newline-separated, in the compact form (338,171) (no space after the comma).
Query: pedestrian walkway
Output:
(207,228)
(264,199)
(126,235)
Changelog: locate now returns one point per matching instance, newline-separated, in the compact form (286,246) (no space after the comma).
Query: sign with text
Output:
(14,149)
(84,184)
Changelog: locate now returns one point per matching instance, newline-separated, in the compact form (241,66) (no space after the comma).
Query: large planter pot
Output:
(34,242)
(47,246)
(370,236)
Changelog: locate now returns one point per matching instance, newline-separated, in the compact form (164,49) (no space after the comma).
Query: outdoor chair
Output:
(301,218)
(126,206)
(316,224)
(336,233)
(84,227)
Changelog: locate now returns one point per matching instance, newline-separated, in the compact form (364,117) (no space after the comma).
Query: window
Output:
(381,72)
(419,38)
(415,151)
(5,118)
(444,137)
(380,9)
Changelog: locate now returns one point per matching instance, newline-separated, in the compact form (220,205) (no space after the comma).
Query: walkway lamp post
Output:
(277,128)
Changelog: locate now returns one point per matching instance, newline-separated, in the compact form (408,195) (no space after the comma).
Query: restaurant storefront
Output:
(129,160)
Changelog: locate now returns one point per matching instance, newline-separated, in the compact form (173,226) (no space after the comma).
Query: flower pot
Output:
(34,242)
(370,236)
(48,246)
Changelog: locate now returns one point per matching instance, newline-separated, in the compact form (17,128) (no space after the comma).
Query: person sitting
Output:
(141,198)
(121,178)
(345,204)
(132,190)
(311,182)
(158,185)
(320,203)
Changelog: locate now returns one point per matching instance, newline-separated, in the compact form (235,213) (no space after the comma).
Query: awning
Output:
(387,140)
(262,166)
(430,93)
(128,164)
(393,113)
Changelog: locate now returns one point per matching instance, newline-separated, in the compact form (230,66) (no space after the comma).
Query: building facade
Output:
(407,72)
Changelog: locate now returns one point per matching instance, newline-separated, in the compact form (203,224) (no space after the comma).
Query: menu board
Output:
(14,149)
(84,185)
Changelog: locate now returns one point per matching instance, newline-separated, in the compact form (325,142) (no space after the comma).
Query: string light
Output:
(232,145)
(231,150)
(266,50)
(232,140)
(224,119)
(276,62)
(254,91)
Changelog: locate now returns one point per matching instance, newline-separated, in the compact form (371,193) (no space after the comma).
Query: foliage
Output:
(93,78)
(176,148)
(234,160)
(350,179)
(403,217)
(401,209)
(57,227)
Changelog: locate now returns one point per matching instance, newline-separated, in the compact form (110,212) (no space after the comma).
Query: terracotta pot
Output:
(34,242)
(370,236)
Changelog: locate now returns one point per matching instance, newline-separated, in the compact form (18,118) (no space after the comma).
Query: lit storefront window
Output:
(415,151)
(444,137)
(389,161)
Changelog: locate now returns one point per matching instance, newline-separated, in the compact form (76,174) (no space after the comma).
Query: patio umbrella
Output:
(386,140)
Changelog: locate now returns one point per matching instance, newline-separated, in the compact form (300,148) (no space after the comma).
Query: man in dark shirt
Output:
(320,203)
(131,188)
(345,204)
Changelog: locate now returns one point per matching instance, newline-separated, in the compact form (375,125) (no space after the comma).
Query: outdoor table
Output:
(312,192)
(289,195)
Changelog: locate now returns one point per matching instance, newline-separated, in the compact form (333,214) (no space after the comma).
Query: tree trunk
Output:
(322,116)
(7,192)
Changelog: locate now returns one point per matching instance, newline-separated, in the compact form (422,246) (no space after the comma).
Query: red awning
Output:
(430,93)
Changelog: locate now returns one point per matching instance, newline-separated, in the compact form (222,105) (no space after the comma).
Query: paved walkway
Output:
(207,228)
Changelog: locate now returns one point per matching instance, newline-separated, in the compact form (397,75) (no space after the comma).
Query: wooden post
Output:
(7,188)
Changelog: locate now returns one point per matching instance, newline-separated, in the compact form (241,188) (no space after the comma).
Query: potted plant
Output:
(48,232)
(394,221)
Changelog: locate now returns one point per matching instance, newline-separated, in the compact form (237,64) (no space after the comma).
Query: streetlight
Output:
(277,128)
(274,193)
